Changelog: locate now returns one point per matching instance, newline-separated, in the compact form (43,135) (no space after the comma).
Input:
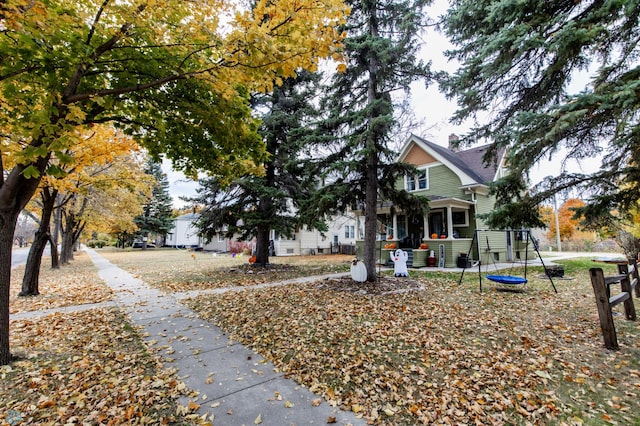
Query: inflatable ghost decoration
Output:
(399,258)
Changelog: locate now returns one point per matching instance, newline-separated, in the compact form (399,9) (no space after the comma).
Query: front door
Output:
(416,231)
(436,223)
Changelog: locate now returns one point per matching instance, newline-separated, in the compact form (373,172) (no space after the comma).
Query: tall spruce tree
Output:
(157,216)
(520,62)
(359,168)
(257,205)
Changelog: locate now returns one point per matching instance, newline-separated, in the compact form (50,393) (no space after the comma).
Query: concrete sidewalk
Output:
(236,386)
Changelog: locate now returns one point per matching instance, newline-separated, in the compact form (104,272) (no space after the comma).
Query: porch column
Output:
(427,232)
(449,223)
(394,222)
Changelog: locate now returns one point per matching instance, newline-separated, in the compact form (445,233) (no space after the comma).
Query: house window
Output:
(349,231)
(220,237)
(417,182)
(460,217)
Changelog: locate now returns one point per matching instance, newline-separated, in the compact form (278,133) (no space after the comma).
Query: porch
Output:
(418,258)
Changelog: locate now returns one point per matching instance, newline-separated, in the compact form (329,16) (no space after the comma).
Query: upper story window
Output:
(418,181)
(349,231)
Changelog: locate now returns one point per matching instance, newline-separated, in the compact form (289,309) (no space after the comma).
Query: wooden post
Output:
(625,285)
(636,277)
(604,309)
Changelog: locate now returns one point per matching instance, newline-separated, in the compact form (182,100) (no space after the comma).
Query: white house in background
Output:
(184,233)
(339,238)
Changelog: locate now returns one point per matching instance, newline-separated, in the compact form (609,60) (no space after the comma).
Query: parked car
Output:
(138,244)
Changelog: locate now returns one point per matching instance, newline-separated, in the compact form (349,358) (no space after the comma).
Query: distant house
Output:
(339,238)
(457,185)
(184,234)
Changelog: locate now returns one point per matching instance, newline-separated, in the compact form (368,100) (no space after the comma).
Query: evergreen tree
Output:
(519,60)
(256,205)
(359,168)
(157,216)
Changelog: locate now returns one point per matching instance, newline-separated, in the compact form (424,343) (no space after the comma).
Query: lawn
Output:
(175,270)
(88,367)
(437,353)
(447,354)
(59,287)
(417,350)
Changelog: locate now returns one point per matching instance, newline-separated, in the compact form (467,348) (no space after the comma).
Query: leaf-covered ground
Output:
(422,350)
(445,354)
(88,367)
(59,287)
(175,270)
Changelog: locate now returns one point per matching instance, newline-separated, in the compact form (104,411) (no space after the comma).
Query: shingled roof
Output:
(468,161)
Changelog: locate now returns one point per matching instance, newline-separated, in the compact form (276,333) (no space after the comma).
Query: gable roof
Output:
(467,164)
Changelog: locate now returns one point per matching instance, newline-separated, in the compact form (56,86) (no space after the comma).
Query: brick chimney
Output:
(453,139)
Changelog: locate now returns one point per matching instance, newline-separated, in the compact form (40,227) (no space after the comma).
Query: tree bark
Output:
(55,257)
(30,281)
(371,216)
(71,229)
(8,219)
(15,192)
(262,246)
(371,191)
(66,253)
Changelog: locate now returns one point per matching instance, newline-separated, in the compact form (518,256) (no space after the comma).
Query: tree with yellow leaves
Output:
(100,152)
(174,74)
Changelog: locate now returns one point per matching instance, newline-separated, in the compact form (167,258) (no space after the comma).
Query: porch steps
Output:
(409,259)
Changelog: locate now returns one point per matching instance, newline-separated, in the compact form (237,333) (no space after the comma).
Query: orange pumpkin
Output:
(252,259)
(434,236)
(424,246)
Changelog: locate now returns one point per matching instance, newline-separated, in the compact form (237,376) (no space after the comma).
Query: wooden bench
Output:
(628,279)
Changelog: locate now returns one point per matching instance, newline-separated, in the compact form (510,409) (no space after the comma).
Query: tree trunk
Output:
(66,252)
(371,191)
(262,246)
(30,281)
(265,207)
(371,216)
(8,220)
(57,219)
(15,192)
(71,231)
(31,276)
(55,258)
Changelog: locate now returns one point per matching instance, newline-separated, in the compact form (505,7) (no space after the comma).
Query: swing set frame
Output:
(506,280)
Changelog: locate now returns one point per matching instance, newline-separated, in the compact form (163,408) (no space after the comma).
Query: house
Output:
(457,185)
(183,232)
(339,238)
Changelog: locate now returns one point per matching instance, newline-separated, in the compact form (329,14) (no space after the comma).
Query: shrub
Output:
(244,247)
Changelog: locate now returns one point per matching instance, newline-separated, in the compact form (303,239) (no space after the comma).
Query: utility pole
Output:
(555,210)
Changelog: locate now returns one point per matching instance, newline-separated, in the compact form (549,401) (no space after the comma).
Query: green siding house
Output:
(457,185)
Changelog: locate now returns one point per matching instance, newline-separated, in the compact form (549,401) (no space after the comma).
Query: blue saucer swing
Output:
(507,281)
